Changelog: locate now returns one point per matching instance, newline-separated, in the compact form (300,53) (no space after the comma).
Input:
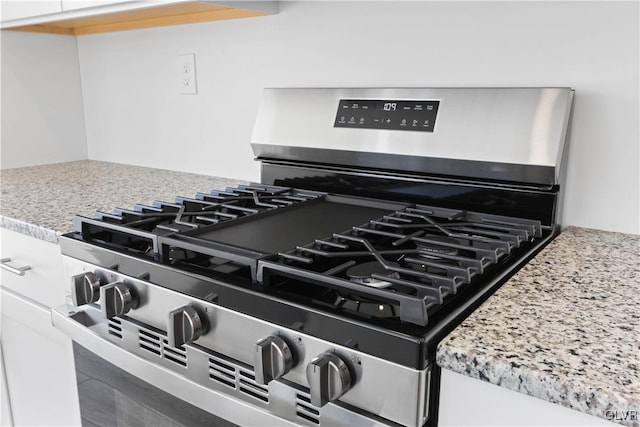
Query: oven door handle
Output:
(81,325)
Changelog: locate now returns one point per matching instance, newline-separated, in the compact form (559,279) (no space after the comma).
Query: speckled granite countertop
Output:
(565,328)
(41,200)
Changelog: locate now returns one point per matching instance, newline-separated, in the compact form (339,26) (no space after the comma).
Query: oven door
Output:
(110,396)
(117,388)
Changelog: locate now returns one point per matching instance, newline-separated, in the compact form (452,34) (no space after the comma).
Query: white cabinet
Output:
(43,282)
(39,373)
(85,4)
(465,401)
(26,9)
(5,409)
(81,17)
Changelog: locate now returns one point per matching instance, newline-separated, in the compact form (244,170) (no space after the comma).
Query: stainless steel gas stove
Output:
(318,296)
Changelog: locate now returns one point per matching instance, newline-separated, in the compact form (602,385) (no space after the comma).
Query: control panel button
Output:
(387,114)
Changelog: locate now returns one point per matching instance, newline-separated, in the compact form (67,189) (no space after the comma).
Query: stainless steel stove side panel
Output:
(479,132)
(381,387)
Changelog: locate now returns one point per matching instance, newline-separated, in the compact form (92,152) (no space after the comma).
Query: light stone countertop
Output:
(41,201)
(565,328)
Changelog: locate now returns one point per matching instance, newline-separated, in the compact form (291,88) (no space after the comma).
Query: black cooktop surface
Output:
(275,231)
(349,269)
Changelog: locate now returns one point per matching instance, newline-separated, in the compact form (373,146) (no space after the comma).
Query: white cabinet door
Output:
(5,409)
(465,401)
(39,365)
(26,9)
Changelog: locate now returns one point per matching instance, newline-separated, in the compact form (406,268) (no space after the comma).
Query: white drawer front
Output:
(43,282)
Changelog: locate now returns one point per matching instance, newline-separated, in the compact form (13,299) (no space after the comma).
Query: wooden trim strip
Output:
(166,21)
(173,14)
(43,28)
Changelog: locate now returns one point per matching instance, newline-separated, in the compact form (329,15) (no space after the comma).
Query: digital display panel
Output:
(417,115)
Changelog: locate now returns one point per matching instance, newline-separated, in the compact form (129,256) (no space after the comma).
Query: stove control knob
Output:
(272,359)
(185,325)
(329,378)
(116,299)
(85,288)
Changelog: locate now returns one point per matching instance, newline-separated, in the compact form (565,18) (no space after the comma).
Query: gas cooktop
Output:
(388,264)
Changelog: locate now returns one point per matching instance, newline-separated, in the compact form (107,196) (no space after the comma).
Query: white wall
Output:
(42,111)
(134,114)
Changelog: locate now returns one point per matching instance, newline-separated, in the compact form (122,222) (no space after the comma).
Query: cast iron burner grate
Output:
(136,230)
(416,257)
(402,261)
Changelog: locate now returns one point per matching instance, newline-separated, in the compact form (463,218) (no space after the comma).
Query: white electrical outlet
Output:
(186,74)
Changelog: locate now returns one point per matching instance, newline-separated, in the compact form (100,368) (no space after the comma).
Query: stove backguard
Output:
(493,150)
(513,135)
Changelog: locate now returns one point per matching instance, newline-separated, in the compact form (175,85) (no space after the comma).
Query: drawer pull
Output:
(4,264)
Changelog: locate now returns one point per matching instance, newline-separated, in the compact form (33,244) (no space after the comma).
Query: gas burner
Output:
(431,250)
(361,273)
(369,308)
(440,267)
